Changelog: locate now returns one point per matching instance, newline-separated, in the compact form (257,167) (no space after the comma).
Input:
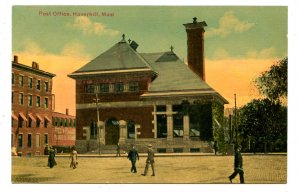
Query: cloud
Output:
(32,47)
(220,53)
(229,24)
(264,53)
(74,49)
(89,27)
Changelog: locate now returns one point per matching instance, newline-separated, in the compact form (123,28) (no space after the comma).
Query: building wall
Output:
(140,115)
(64,133)
(26,109)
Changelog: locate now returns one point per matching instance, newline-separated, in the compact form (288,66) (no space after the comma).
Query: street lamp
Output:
(98,123)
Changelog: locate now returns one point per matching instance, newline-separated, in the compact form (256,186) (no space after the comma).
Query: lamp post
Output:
(98,123)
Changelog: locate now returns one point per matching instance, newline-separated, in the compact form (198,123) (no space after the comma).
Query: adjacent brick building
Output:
(32,101)
(64,134)
(130,97)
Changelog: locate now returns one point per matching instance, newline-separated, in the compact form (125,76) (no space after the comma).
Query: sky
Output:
(240,41)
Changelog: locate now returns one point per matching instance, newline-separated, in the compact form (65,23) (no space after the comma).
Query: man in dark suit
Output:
(238,166)
(149,161)
(132,156)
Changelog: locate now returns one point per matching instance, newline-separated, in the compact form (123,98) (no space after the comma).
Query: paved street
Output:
(197,169)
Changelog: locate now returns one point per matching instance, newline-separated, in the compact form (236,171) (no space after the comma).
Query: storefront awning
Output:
(14,116)
(39,117)
(31,117)
(47,118)
(23,116)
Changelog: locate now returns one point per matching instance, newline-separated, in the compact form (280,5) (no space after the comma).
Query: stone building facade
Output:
(123,96)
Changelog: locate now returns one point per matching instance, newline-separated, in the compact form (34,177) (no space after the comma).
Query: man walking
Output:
(132,156)
(118,150)
(149,161)
(238,166)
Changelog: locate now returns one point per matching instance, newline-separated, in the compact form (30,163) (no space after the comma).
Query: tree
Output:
(273,83)
(262,121)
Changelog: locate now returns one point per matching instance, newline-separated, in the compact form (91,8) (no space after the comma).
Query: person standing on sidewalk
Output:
(118,150)
(73,157)
(132,156)
(149,161)
(238,166)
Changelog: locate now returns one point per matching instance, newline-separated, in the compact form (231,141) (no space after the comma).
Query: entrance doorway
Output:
(112,131)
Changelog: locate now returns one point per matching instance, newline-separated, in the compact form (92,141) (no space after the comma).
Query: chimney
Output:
(16,59)
(133,45)
(67,111)
(35,65)
(195,46)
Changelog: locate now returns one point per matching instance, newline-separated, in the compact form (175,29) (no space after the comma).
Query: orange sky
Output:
(227,76)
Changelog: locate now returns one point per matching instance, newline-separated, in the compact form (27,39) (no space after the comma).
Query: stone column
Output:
(123,129)
(154,122)
(186,127)
(169,122)
(101,132)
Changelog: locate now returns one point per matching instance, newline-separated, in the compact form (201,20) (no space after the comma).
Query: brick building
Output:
(64,134)
(130,97)
(32,101)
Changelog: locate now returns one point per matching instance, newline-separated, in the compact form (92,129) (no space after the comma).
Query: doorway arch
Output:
(112,131)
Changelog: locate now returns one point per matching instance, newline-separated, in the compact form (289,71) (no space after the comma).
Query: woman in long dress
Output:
(73,156)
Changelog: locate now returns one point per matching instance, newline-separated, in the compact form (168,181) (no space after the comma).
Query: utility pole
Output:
(98,123)
(235,120)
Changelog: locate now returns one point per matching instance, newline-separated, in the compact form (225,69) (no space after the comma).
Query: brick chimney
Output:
(35,65)
(67,111)
(195,46)
(16,59)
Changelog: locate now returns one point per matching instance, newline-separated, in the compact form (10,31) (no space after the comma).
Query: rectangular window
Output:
(161,126)
(29,140)
(38,101)
(45,123)
(89,88)
(38,123)
(119,87)
(38,85)
(29,122)
(46,86)
(20,140)
(46,103)
(177,125)
(30,81)
(37,140)
(45,139)
(12,78)
(133,86)
(161,108)
(21,98)
(104,87)
(30,100)
(21,81)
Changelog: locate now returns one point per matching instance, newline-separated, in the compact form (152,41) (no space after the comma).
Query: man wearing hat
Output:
(150,160)
(132,156)
(238,166)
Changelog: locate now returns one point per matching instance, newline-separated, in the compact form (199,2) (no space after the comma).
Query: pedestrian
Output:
(149,161)
(46,150)
(118,150)
(132,156)
(73,157)
(51,158)
(238,166)
(216,147)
